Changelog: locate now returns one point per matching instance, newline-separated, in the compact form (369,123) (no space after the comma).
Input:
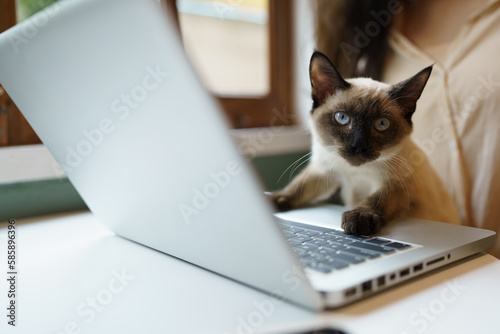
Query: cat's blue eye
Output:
(382,124)
(342,118)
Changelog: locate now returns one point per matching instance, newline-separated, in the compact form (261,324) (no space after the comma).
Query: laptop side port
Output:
(381,281)
(350,292)
(439,259)
(404,272)
(418,267)
(366,286)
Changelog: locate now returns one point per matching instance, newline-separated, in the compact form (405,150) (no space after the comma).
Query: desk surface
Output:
(77,277)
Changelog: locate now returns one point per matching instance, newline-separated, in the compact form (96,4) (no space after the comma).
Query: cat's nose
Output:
(359,147)
(358,142)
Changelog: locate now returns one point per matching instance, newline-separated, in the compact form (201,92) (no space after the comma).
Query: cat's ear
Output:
(407,92)
(325,79)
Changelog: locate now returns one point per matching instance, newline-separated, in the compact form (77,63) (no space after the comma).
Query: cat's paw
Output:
(362,221)
(280,201)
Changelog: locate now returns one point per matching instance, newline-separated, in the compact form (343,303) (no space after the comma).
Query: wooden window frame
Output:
(273,109)
(14,129)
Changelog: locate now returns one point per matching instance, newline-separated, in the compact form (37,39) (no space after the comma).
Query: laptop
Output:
(108,89)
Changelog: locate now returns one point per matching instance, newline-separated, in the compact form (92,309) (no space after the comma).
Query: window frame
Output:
(14,128)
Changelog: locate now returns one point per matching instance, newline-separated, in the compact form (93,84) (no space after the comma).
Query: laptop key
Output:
(294,243)
(309,262)
(378,241)
(371,247)
(397,245)
(309,233)
(325,251)
(361,252)
(334,248)
(357,237)
(336,233)
(330,236)
(336,242)
(317,242)
(348,257)
(295,230)
(307,247)
(300,252)
(301,238)
(291,229)
(319,257)
(321,237)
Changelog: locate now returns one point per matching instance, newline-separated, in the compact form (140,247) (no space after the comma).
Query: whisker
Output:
(401,181)
(297,167)
(295,162)
(381,169)
(413,175)
(304,181)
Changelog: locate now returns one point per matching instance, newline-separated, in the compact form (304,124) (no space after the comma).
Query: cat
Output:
(361,144)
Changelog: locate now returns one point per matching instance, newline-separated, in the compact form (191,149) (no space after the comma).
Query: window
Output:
(252,106)
(26,8)
(251,80)
(228,45)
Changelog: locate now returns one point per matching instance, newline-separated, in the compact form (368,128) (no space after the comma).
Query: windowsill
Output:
(35,163)
(259,142)
(27,163)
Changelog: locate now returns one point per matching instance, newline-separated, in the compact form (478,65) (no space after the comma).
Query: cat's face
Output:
(361,119)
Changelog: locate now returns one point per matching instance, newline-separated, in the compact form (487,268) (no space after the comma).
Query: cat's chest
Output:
(367,179)
(357,183)
(328,161)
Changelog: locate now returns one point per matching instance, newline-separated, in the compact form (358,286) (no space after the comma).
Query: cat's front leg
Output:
(378,209)
(309,186)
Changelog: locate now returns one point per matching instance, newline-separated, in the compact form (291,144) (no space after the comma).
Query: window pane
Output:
(26,8)
(228,43)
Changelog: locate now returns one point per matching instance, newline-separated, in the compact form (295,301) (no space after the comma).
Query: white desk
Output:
(76,277)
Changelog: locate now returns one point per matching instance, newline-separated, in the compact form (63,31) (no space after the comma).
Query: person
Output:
(457,119)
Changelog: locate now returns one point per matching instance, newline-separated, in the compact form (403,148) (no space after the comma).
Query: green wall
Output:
(26,199)
(276,171)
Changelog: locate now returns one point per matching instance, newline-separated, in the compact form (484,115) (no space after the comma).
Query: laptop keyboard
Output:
(326,250)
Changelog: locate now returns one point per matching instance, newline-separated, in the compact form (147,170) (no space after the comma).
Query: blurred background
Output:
(252,55)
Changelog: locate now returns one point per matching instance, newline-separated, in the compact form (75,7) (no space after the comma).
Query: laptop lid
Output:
(108,89)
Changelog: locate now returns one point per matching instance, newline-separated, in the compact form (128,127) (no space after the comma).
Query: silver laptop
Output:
(107,87)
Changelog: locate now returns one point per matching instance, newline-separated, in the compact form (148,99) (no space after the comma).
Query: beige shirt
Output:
(457,121)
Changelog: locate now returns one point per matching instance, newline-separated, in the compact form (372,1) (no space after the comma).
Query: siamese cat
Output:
(361,144)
